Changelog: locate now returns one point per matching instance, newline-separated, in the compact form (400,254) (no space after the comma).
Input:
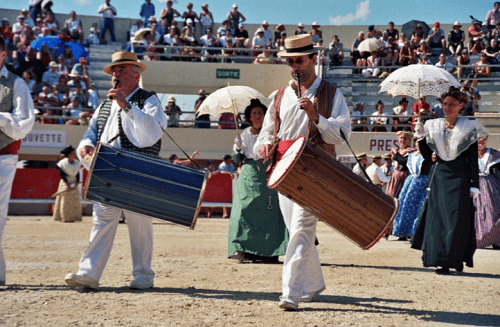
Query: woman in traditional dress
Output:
(68,208)
(257,230)
(412,195)
(488,201)
(400,155)
(445,228)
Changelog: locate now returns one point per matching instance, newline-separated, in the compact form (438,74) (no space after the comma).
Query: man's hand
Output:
(310,109)
(264,151)
(87,150)
(118,96)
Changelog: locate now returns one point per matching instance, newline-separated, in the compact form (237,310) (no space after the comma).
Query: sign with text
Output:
(228,73)
(45,139)
(382,144)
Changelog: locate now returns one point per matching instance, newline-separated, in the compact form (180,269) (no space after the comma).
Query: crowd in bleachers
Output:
(62,81)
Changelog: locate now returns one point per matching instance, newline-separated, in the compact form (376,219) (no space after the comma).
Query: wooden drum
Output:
(343,200)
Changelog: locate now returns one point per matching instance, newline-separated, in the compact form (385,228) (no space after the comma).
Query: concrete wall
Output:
(346,33)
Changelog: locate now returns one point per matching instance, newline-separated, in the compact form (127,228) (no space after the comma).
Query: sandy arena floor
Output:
(196,285)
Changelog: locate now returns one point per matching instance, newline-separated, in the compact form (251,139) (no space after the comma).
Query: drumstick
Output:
(271,152)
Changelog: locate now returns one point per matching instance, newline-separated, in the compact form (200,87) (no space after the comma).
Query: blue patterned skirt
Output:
(410,198)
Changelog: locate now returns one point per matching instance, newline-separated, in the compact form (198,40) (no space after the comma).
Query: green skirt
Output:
(254,227)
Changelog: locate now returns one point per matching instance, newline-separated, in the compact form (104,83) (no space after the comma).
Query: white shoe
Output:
(310,296)
(288,305)
(141,283)
(81,281)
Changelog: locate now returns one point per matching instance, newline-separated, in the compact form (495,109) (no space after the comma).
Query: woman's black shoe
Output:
(443,271)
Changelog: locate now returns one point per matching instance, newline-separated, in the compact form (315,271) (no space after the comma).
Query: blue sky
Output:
(325,12)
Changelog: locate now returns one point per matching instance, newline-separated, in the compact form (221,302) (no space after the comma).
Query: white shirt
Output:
(262,41)
(247,145)
(380,116)
(142,127)
(93,101)
(18,123)
(109,12)
(447,66)
(294,121)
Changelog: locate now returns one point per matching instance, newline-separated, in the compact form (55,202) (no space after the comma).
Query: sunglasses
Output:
(298,61)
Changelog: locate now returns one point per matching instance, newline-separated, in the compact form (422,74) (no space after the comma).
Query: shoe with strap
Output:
(84,281)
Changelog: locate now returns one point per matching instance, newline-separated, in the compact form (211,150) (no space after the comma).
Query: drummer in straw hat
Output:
(376,173)
(132,119)
(319,113)
(362,159)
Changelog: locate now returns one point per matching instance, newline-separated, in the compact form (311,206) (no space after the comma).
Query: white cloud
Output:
(362,12)
(83,3)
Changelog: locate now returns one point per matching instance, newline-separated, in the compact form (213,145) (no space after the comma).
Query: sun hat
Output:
(298,45)
(122,58)
(377,156)
(171,98)
(457,24)
(300,25)
(362,155)
(53,64)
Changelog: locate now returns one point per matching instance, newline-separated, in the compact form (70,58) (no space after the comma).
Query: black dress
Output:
(445,228)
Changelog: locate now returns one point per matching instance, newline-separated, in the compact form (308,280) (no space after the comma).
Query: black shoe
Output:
(496,247)
(403,238)
(460,267)
(443,271)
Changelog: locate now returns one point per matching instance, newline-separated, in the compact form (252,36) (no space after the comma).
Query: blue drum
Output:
(145,185)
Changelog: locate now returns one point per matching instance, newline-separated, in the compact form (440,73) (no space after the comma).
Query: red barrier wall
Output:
(219,189)
(35,183)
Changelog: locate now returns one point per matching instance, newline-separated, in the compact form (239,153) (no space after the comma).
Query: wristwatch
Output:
(127,107)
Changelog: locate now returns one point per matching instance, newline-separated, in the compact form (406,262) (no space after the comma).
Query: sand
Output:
(196,285)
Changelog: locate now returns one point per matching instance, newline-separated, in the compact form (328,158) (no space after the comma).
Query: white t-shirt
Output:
(109,11)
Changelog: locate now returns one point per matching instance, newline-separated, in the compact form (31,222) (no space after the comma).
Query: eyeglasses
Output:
(298,61)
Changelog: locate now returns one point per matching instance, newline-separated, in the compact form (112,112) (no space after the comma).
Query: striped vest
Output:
(6,103)
(138,100)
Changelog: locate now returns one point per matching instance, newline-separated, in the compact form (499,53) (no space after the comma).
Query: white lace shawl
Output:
(449,144)
(71,169)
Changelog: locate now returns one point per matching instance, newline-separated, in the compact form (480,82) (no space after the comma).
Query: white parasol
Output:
(230,99)
(418,80)
(370,44)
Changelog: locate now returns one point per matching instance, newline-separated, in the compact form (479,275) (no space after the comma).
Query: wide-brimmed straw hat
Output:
(280,25)
(124,58)
(362,155)
(298,45)
(377,157)
(457,24)
(139,35)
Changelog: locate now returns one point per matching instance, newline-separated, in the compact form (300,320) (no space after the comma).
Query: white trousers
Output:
(106,219)
(302,268)
(7,172)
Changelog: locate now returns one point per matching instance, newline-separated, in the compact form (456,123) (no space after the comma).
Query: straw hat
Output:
(377,157)
(315,24)
(298,45)
(139,35)
(205,5)
(124,58)
(300,25)
(280,25)
(171,98)
(361,156)
(457,24)
(387,156)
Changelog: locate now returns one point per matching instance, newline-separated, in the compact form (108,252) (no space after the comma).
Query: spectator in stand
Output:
(456,39)
(492,16)
(173,112)
(355,55)
(205,39)
(419,30)
(372,32)
(402,40)
(463,60)
(69,58)
(93,97)
(492,52)
(221,31)
(477,46)
(379,118)
(422,50)
(389,60)
(62,87)
(93,38)
(35,8)
(372,63)
(73,110)
(277,34)
(436,38)
(81,69)
(28,21)
(415,43)
(61,65)
(336,51)
(402,112)
(393,34)
(6,31)
(223,40)
(442,63)
(228,50)
(241,36)
(190,25)
(157,35)
(268,34)
(280,43)
(426,60)
(316,33)
(18,26)
(259,41)
(406,54)
(265,57)
(474,96)
(300,29)
(175,47)
(108,13)
(168,13)
(202,121)
(51,76)
(51,23)
(475,33)
(20,59)
(137,26)
(28,79)
(76,79)
(481,70)
(212,55)
(38,28)
(495,33)
(147,10)
(78,92)
(190,14)
(188,39)
(358,118)
(235,17)
(182,162)
(74,25)
(386,41)
(206,18)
